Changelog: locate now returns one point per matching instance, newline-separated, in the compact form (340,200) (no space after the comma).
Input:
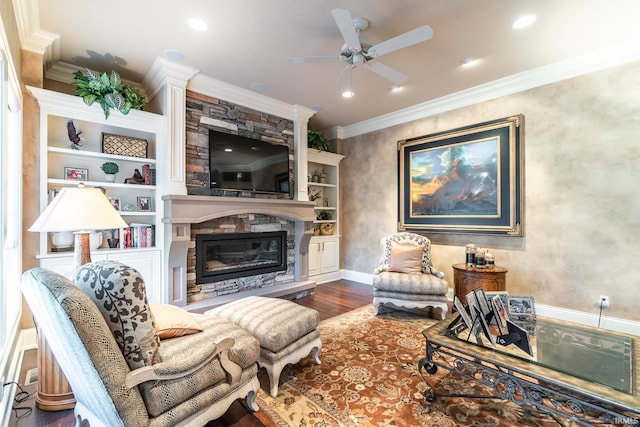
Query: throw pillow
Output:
(406,258)
(172,321)
(118,291)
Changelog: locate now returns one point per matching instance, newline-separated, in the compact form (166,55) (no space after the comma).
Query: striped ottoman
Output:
(287,332)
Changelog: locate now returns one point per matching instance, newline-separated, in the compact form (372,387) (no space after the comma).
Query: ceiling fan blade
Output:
(345,25)
(339,83)
(409,38)
(387,72)
(304,59)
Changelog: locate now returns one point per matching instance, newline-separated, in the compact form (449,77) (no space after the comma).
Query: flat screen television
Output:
(241,163)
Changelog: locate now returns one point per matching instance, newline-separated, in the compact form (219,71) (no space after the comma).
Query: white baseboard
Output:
(612,323)
(356,276)
(327,277)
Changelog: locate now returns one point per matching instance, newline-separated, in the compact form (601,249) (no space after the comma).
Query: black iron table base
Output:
(505,383)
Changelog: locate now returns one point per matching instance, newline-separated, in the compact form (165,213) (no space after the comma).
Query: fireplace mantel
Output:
(180,211)
(196,209)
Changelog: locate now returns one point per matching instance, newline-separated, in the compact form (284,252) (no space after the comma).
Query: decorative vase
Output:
(326,229)
(62,240)
(110,177)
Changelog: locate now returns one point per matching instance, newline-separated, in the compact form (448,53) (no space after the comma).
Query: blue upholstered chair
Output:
(406,279)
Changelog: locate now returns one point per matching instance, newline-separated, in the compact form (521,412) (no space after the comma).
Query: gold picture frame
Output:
(467,180)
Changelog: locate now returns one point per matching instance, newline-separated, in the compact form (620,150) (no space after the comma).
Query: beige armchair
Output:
(406,279)
(121,373)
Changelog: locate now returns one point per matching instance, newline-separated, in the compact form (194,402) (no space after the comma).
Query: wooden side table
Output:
(465,279)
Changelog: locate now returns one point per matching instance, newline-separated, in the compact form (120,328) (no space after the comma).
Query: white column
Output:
(301,116)
(171,78)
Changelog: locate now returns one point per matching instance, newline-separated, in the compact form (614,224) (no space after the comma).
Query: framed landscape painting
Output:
(467,180)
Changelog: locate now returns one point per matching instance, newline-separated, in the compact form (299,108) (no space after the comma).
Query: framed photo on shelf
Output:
(76,174)
(115,202)
(144,204)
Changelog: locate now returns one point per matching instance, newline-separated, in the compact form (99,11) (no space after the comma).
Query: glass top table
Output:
(582,373)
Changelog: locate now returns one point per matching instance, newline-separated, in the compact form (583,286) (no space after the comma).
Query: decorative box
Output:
(124,145)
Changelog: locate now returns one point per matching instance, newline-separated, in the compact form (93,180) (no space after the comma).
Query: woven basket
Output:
(124,145)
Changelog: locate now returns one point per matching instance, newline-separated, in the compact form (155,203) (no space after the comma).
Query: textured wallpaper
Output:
(582,207)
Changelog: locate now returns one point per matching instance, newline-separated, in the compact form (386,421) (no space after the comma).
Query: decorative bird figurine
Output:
(74,136)
(137,178)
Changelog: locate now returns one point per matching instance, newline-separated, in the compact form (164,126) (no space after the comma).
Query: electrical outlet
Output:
(604,301)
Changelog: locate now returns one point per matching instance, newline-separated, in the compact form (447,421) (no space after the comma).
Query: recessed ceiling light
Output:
(347,94)
(316,107)
(173,55)
(524,21)
(259,87)
(228,150)
(396,88)
(197,24)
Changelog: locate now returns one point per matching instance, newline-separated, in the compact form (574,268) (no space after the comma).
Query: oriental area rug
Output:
(369,377)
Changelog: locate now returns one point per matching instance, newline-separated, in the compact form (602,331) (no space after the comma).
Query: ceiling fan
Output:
(355,53)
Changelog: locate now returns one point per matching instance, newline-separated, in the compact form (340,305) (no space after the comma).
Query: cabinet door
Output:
(62,264)
(148,265)
(315,257)
(330,255)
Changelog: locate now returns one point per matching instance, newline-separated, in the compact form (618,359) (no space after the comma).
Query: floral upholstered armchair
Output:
(104,336)
(406,278)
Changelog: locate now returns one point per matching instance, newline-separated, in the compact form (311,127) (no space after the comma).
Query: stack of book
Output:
(137,236)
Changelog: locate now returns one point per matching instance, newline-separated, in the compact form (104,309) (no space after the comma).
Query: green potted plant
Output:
(324,216)
(110,169)
(317,140)
(107,90)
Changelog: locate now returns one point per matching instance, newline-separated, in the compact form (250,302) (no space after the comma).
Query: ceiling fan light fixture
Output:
(524,21)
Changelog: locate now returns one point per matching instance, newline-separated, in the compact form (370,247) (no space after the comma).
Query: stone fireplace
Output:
(234,230)
(196,104)
(188,216)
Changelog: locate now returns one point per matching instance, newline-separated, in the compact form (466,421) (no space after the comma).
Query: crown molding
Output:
(558,71)
(32,37)
(218,89)
(163,71)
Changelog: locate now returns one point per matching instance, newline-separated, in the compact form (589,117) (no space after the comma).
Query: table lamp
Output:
(81,210)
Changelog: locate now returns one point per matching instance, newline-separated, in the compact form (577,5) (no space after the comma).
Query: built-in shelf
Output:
(319,184)
(69,182)
(113,157)
(324,250)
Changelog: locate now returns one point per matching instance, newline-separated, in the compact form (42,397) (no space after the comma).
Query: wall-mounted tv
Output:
(245,164)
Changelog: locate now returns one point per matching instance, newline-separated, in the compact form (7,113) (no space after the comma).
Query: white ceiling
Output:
(248,41)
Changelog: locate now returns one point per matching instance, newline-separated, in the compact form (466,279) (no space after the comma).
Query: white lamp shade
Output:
(79,209)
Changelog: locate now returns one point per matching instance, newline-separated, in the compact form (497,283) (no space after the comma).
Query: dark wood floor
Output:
(330,299)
